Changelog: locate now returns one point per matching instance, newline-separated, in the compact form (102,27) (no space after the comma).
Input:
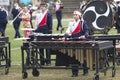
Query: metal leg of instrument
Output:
(24,73)
(96,76)
(9,51)
(35,72)
(114,69)
(106,62)
(7,62)
(102,63)
(31,61)
(4,58)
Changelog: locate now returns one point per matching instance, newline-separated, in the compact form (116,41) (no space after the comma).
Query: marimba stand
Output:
(8,45)
(31,60)
(33,46)
(4,57)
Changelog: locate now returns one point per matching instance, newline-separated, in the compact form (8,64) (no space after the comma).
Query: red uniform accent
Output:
(60,8)
(43,21)
(78,28)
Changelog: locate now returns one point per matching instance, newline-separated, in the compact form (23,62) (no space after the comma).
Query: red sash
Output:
(60,8)
(78,29)
(43,20)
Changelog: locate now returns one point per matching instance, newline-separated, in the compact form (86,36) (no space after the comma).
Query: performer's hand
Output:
(63,39)
(82,37)
(50,32)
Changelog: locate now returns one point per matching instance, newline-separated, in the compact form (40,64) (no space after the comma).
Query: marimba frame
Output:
(47,45)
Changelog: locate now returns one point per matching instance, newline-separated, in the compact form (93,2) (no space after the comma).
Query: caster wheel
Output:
(35,72)
(24,75)
(96,77)
(113,72)
(6,71)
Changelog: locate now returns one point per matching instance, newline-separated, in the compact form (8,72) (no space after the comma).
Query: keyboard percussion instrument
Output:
(89,50)
(5,53)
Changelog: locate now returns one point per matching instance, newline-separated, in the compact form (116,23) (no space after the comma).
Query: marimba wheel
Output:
(6,71)
(96,77)
(35,72)
(24,75)
(113,72)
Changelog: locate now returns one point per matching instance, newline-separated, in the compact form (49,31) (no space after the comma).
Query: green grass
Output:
(55,74)
(45,74)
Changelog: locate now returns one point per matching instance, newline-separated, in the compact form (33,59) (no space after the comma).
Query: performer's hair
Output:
(42,4)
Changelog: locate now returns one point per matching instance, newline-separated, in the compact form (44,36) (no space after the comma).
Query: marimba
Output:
(97,46)
(106,37)
(110,37)
(5,53)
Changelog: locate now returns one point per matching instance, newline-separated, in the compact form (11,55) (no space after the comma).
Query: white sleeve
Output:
(36,21)
(68,31)
(6,12)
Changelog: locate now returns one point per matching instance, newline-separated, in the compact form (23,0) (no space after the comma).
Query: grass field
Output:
(45,74)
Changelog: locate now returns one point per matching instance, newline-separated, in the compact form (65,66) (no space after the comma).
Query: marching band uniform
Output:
(77,28)
(16,23)
(44,22)
(3,21)
(58,8)
(44,25)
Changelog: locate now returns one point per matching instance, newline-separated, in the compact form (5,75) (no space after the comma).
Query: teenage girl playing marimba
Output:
(77,29)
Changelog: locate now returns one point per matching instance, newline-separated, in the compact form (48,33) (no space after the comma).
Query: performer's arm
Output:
(49,23)
(85,29)
(36,21)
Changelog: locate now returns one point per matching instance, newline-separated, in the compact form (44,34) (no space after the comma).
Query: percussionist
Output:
(77,28)
(44,25)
